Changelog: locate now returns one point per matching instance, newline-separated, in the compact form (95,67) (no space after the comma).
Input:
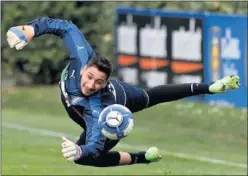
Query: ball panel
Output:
(129,127)
(109,135)
(114,118)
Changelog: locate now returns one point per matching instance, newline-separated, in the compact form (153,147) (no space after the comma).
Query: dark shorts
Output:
(134,98)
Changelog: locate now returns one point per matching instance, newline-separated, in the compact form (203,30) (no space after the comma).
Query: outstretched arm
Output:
(94,141)
(78,47)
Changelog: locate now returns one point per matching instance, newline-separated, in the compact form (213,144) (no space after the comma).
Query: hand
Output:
(70,150)
(19,36)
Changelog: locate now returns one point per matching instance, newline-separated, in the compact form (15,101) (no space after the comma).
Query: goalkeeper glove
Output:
(20,36)
(70,150)
(225,84)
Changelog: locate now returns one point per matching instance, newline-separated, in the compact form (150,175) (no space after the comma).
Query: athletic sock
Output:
(197,89)
(138,158)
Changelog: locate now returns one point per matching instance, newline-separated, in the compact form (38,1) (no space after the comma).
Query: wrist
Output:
(28,30)
(79,152)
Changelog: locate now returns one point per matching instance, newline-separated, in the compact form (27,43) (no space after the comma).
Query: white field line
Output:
(178,155)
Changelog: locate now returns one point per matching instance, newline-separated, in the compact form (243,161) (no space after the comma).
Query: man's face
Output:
(92,80)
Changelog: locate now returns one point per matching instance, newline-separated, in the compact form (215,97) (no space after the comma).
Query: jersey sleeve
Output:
(75,42)
(94,139)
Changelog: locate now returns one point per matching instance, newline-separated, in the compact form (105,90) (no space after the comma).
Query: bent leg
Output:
(114,158)
(104,160)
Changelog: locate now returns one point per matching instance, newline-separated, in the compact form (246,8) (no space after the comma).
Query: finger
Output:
(63,145)
(67,144)
(13,40)
(69,154)
(64,138)
(72,158)
(10,34)
(9,40)
(20,45)
(68,149)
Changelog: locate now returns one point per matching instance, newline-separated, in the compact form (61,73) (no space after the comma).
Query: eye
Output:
(99,82)
(90,77)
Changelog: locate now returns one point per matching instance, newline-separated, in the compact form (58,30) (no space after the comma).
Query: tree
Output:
(47,55)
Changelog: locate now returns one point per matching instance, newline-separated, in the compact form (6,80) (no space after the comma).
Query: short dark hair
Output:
(101,63)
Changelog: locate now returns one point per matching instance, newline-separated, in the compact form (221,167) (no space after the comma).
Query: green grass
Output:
(194,129)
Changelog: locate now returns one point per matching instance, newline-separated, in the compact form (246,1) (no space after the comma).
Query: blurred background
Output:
(42,61)
(149,43)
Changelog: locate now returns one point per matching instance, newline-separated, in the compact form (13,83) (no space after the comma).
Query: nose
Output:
(91,84)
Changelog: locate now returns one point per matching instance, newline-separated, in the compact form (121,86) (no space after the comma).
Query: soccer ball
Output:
(116,121)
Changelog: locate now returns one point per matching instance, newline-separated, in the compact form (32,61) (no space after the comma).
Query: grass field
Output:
(194,138)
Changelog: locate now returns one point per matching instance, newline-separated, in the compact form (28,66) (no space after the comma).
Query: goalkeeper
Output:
(86,90)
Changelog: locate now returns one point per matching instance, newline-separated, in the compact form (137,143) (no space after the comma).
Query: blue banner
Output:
(226,39)
(168,47)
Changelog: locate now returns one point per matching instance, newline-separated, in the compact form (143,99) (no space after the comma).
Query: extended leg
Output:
(172,92)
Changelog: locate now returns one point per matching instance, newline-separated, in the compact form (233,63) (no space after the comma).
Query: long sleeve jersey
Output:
(80,52)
